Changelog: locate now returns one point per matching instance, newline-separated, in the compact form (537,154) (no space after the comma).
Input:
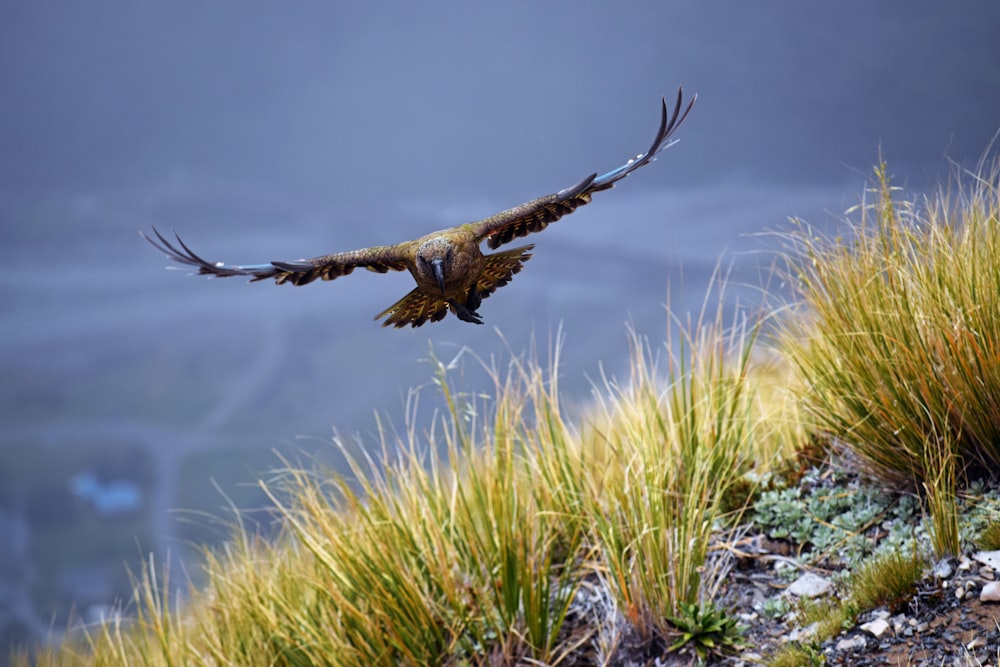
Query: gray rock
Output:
(899,623)
(810,585)
(944,568)
(877,627)
(989,558)
(990,592)
(851,644)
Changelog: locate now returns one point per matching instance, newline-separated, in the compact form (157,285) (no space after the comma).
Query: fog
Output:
(136,401)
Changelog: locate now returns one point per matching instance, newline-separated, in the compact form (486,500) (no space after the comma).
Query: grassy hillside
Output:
(508,531)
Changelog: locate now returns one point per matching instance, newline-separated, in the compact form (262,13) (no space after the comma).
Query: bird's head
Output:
(434,258)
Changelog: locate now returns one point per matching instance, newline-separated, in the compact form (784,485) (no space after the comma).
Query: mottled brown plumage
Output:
(448,266)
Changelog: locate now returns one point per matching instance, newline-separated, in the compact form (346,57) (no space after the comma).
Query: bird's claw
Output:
(464,312)
(473,301)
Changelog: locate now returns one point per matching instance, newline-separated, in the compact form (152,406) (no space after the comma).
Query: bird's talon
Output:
(474,300)
(465,313)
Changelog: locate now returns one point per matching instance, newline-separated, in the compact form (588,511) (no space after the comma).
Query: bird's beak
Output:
(439,273)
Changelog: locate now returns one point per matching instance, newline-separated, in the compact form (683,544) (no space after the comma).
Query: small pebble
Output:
(944,568)
(990,592)
(851,644)
(810,585)
(877,627)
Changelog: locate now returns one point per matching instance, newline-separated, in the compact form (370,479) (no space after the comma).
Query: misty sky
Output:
(354,104)
(280,130)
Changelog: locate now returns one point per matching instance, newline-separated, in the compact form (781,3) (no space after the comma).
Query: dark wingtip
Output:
(669,122)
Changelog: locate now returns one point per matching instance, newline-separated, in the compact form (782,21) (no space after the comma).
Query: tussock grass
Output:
(795,655)
(827,617)
(889,579)
(989,538)
(899,337)
(466,541)
(676,455)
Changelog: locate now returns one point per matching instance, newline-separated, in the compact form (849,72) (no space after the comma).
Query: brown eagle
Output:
(448,266)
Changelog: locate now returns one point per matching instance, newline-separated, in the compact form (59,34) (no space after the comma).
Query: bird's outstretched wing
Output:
(535,215)
(300,272)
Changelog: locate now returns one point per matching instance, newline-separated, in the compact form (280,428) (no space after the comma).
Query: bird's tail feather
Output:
(413,310)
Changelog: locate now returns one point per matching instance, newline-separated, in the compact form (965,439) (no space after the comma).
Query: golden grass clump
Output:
(890,579)
(467,541)
(899,334)
(677,453)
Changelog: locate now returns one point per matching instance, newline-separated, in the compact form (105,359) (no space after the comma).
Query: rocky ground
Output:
(800,544)
(953,618)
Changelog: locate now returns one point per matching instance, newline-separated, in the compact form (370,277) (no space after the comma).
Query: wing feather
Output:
(300,272)
(500,268)
(535,215)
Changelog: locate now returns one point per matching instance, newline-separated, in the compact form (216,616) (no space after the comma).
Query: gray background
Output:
(279,130)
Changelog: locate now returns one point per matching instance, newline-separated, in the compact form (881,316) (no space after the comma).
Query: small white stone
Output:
(964,564)
(988,558)
(852,644)
(990,592)
(877,627)
(882,613)
(810,585)
(943,569)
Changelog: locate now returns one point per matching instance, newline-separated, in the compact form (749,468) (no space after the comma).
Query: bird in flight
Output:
(451,272)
